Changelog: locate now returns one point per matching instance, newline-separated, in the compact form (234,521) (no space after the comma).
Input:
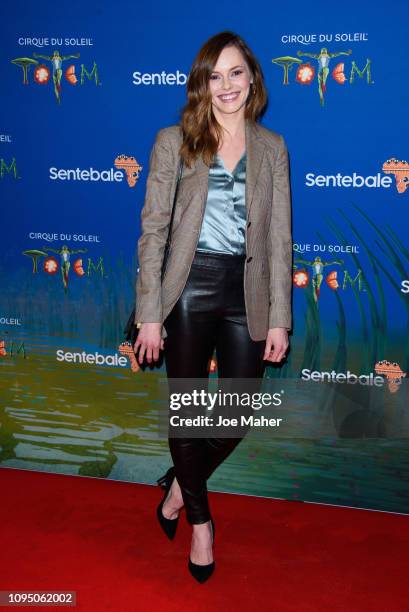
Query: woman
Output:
(227,284)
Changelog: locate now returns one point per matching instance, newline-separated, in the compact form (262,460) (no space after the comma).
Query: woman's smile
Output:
(230,97)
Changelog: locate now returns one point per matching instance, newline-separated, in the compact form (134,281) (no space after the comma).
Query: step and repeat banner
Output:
(84,90)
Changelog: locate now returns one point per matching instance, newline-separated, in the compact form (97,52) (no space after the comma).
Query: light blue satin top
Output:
(224,222)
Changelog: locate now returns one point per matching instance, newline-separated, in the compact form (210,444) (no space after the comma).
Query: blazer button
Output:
(249,259)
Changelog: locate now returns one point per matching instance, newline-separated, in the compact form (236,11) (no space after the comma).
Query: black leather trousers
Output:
(210,314)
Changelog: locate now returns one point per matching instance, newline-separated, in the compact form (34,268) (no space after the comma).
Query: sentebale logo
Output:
(355,180)
(86,175)
(92,358)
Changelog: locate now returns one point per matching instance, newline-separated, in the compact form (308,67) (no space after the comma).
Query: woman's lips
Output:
(229,97)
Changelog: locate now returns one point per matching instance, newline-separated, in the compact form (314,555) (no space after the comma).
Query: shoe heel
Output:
(169,526)
(163,480)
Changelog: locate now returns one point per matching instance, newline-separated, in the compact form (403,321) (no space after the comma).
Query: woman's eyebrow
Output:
(234,67)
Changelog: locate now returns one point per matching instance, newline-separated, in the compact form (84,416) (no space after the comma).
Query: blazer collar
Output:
(255,148)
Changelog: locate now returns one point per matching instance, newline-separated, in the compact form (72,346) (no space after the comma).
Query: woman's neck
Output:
(233,126)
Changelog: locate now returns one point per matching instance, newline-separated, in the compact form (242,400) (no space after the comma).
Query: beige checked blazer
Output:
(268,266)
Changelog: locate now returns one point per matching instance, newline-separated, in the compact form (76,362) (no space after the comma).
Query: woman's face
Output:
(229,81)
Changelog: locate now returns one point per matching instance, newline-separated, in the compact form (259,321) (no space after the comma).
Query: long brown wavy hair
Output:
(201,131)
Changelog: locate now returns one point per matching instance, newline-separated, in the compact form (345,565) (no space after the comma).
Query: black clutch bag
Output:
(131,331)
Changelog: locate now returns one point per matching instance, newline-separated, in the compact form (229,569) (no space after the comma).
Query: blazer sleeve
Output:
(279,243)
(155,219)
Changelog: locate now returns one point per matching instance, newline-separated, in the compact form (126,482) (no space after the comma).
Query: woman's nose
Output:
(226,83)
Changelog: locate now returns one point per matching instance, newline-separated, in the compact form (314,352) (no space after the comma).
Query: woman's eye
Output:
(236,72)
(214,76)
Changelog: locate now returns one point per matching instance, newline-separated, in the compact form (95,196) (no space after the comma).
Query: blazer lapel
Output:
(255,151)
(202,177)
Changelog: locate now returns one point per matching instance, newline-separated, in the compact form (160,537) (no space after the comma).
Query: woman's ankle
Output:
(176,491)
(202,527)
(172,504)
(201,548)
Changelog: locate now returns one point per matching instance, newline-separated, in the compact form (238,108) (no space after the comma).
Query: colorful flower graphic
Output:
(305,74)
(50,265)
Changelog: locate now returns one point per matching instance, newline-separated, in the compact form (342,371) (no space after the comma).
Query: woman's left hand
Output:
(276,344)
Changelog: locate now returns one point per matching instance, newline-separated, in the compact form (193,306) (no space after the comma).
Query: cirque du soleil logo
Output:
(306,71)
(302,277)
(53,70)
(51,265)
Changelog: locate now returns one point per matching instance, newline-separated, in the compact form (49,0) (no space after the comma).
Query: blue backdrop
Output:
(83,85)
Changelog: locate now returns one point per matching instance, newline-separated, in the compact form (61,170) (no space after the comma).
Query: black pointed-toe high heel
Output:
(203,572)
(169,526)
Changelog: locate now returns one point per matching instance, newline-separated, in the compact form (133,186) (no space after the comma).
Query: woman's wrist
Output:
(139,323)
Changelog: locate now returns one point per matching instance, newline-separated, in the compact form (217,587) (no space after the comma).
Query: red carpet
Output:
(100,539)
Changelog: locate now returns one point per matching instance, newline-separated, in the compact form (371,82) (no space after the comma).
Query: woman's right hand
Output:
(149,341)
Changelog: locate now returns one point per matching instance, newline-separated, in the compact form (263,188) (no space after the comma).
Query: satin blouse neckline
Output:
(231,172)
